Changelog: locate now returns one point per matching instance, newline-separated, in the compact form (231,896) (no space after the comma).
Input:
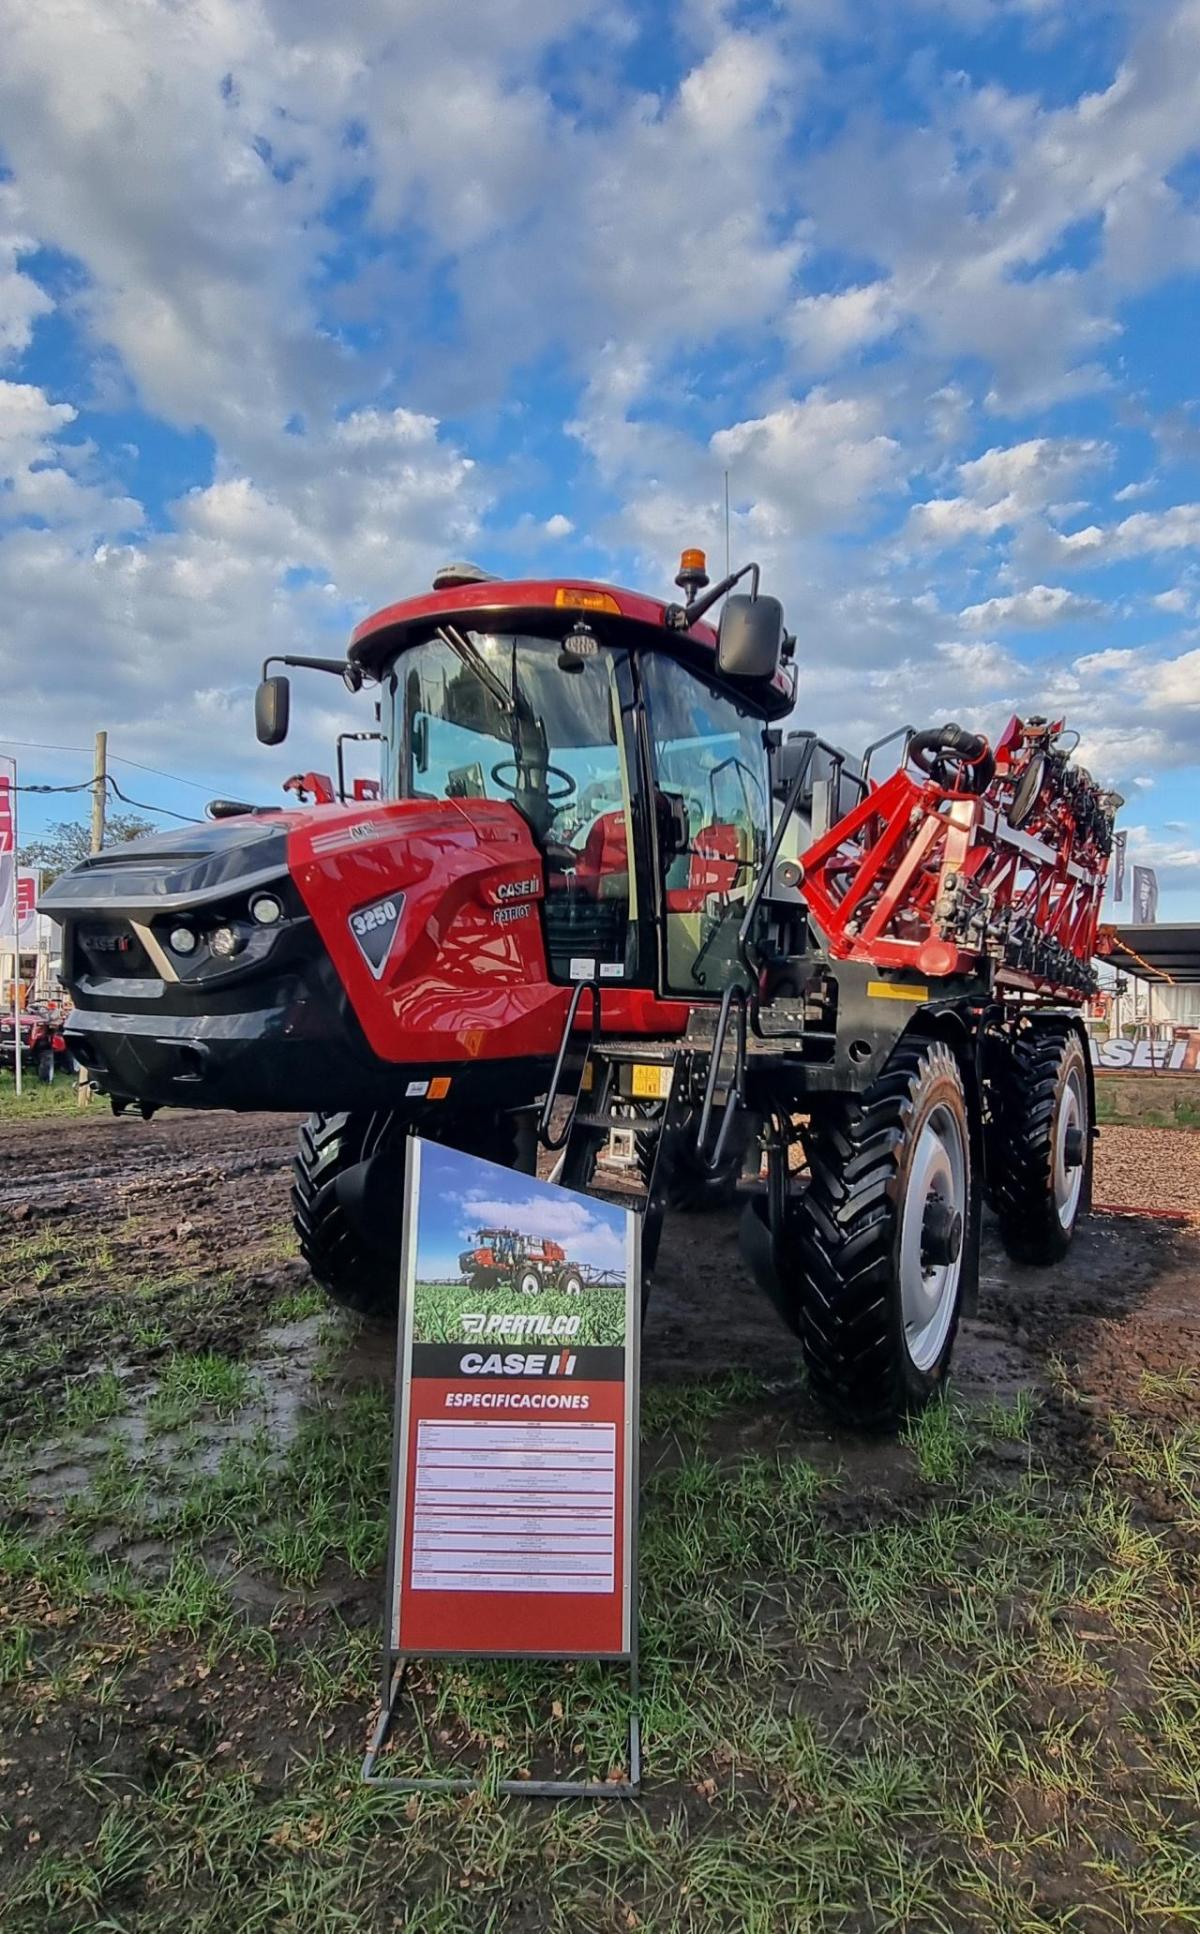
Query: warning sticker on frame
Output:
(513,1513)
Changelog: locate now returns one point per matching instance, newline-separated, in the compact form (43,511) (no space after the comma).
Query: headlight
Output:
(225,942)
(182,940)
(266,909)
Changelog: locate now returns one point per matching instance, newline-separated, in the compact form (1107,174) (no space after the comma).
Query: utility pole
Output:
(99,790)
(99,801)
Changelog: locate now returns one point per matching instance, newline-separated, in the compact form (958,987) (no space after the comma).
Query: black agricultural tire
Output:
(571,1283)
(841,1257)
(1028,1083)
(358,1275)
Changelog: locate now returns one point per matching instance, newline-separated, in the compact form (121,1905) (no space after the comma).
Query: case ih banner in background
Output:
(1145,896)
(1118,866)
(8,861)
(513,1512)
(1180,1055)
(29,885)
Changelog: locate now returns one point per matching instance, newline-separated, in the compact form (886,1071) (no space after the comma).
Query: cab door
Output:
(711,791)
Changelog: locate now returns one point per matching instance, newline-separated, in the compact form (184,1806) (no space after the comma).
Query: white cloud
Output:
(812,463)
(1132,490)
(22,300)
(1177,682)
(1039,606)
(1147,533)
(1118,658)
(963,215)
(1007,486)
(828,328)
(558,525)
(45,479)
(1177,600)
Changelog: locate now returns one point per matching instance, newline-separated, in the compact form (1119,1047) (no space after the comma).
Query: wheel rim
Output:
(933,1223)
(1068,1179)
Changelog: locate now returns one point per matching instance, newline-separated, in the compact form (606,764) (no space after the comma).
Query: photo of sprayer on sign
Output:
(548,1263)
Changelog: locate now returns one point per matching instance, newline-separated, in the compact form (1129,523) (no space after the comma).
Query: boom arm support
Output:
(935,876)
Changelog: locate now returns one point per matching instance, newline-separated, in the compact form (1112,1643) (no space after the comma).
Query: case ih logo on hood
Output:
(374,928)
(107,943)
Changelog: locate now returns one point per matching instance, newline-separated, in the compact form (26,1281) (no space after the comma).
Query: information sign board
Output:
(513,1499)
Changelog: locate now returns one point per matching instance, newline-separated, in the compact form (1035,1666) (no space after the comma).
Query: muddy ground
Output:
(952,1682)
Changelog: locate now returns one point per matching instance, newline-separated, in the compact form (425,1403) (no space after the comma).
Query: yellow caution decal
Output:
(651,1081)
(891,990)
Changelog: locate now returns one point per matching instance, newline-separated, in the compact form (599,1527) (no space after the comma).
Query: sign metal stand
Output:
(398,1659)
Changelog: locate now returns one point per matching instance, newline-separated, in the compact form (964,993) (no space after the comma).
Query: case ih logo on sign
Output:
(513,1506)
(374,928)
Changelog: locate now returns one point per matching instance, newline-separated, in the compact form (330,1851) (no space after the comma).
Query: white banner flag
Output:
(8,861)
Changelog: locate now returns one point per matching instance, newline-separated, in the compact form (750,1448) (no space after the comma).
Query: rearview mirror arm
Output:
(681,617)
(349,673)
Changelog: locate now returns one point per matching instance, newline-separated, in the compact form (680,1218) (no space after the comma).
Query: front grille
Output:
(111,950)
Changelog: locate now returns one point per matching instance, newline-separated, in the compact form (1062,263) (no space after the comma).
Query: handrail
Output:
(548,1141)
(902,731)
(735,992)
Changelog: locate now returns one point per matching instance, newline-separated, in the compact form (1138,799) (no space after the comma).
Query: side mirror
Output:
(750,638)
(272,709)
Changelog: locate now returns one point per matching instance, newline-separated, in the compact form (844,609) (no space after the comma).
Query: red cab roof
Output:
(389,630)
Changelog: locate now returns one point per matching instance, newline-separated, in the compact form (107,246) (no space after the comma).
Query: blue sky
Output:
(461,1194)
(296,301)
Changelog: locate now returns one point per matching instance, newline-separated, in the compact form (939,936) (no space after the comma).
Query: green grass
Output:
(1177,1110)
(37,1099)
(297,1305)
(440,1307)
(189,1385)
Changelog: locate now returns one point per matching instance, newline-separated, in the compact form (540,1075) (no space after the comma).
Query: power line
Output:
(187,819)
(85,785)
(40,745)
(160,774)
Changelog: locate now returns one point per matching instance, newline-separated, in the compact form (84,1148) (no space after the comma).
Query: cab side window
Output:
(710,770)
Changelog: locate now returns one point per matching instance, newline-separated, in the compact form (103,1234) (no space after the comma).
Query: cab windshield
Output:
(490,715)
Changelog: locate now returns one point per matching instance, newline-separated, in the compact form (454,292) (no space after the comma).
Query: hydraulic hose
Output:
(932,749)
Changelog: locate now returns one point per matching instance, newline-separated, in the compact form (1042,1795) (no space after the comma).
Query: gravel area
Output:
(1148,1168)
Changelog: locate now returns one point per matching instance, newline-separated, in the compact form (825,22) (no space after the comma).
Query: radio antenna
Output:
(728,567)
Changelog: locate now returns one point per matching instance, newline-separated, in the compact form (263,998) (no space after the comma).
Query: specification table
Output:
(514,1507)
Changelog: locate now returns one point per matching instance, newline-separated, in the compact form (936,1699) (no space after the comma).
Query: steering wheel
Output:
(568,788)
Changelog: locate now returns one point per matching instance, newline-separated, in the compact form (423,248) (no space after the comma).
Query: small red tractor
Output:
(505,1257)
(601,883)
(43,1042)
